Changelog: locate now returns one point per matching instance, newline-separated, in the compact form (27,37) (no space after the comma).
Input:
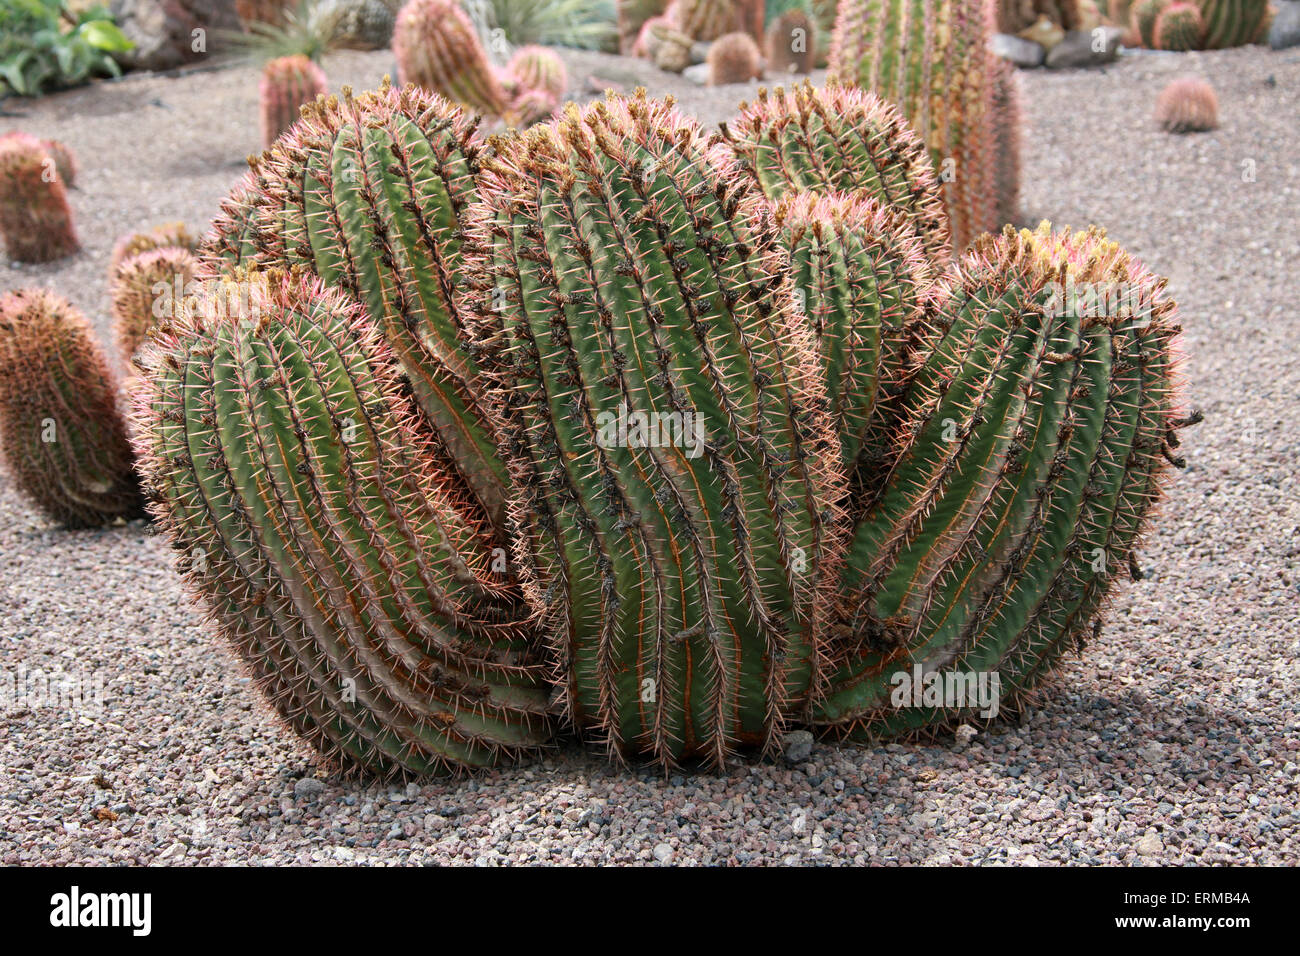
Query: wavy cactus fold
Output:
(633,274)
(294,479)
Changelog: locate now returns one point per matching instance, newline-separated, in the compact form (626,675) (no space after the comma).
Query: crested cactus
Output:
(1143,16)
(168,235)
(436,48)
(61,430)
(1035,434)
(733,58)
(289,472)
(149,287)
(1006,137)
(1179,28)
(676,481)
(931,59)
(791,43)
(1187,105)
(287,83)
(841,139)
(1230,23)
(35,219)
(369,193)
(863,279)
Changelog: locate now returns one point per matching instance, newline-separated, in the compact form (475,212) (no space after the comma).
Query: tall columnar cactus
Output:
(843,139)
(370,193)
(287,83)
(35,219)
(61,430)
(707,20)
(931,59)
(791,43)
(863,279)
(1230,23)
(289,472)
(1036,433)
(1006,138)
(1179,28)
(676,474)
(436,48)
(1144,15)
(150,287)
(1187,105)
(168,235)
(733,58)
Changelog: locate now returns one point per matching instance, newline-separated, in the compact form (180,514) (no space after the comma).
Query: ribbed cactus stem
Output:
(1230,23)
(150,287)
(287,83)
(35,218)
(841,139)
(707,20)
(369,193)
(436,48)
(168,235)
(291,475)
(676,473)
(539,81)
(931,59)
(1006,139)
(61,430)
(1143,17)
(1038,428)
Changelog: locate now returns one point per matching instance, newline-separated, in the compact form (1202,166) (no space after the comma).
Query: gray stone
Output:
(699,52)
(1150,844)
(1285,29)
(163,30)
(1023,53)
(699,74)
(1082,48)
(798,746)
(663,853)
(308,788)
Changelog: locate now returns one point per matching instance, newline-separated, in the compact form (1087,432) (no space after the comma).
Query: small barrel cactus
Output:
(676,474)
(64,163)
(539,79)
(632,15)
(168,235)
(791,43)
(1230,23)
(436,48)
(61,430)
(287,83)
(150,287)
(733,58)
(291,475)
(1143,17)
(1187,105)
(1179,28)
(35,218)
(841,139)
(1036,431)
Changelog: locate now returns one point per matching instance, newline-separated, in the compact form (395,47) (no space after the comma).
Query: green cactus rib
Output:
(930,58)
(1041,430)
(61,430)
(632,267)
(369,194)
(1230,23)
(862,278)
(841,139)
(291,475)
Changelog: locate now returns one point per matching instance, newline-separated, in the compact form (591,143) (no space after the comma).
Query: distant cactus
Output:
(1144,15)
(707,20)
(1187,105)
(35,218)
(270,12)
(632,15)
(147,288)
(293,478)
(841,139)
(1179,28)
(437,49)
(931,59)
(751,16)
(1230,23)
(540,81)
(61,430)
(733,58)
(65,165)
(1006,138)
(1016,15)
(791,43)
(681,574)
(167,235)
(287,83)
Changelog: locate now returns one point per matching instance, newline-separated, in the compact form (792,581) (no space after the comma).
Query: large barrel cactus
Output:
(676,473)
(292,474)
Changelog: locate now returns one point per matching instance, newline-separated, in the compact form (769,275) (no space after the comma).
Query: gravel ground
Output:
(1174,740)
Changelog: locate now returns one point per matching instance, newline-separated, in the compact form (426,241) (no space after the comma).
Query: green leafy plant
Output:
(577,23)
(310,30)
(45,47)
